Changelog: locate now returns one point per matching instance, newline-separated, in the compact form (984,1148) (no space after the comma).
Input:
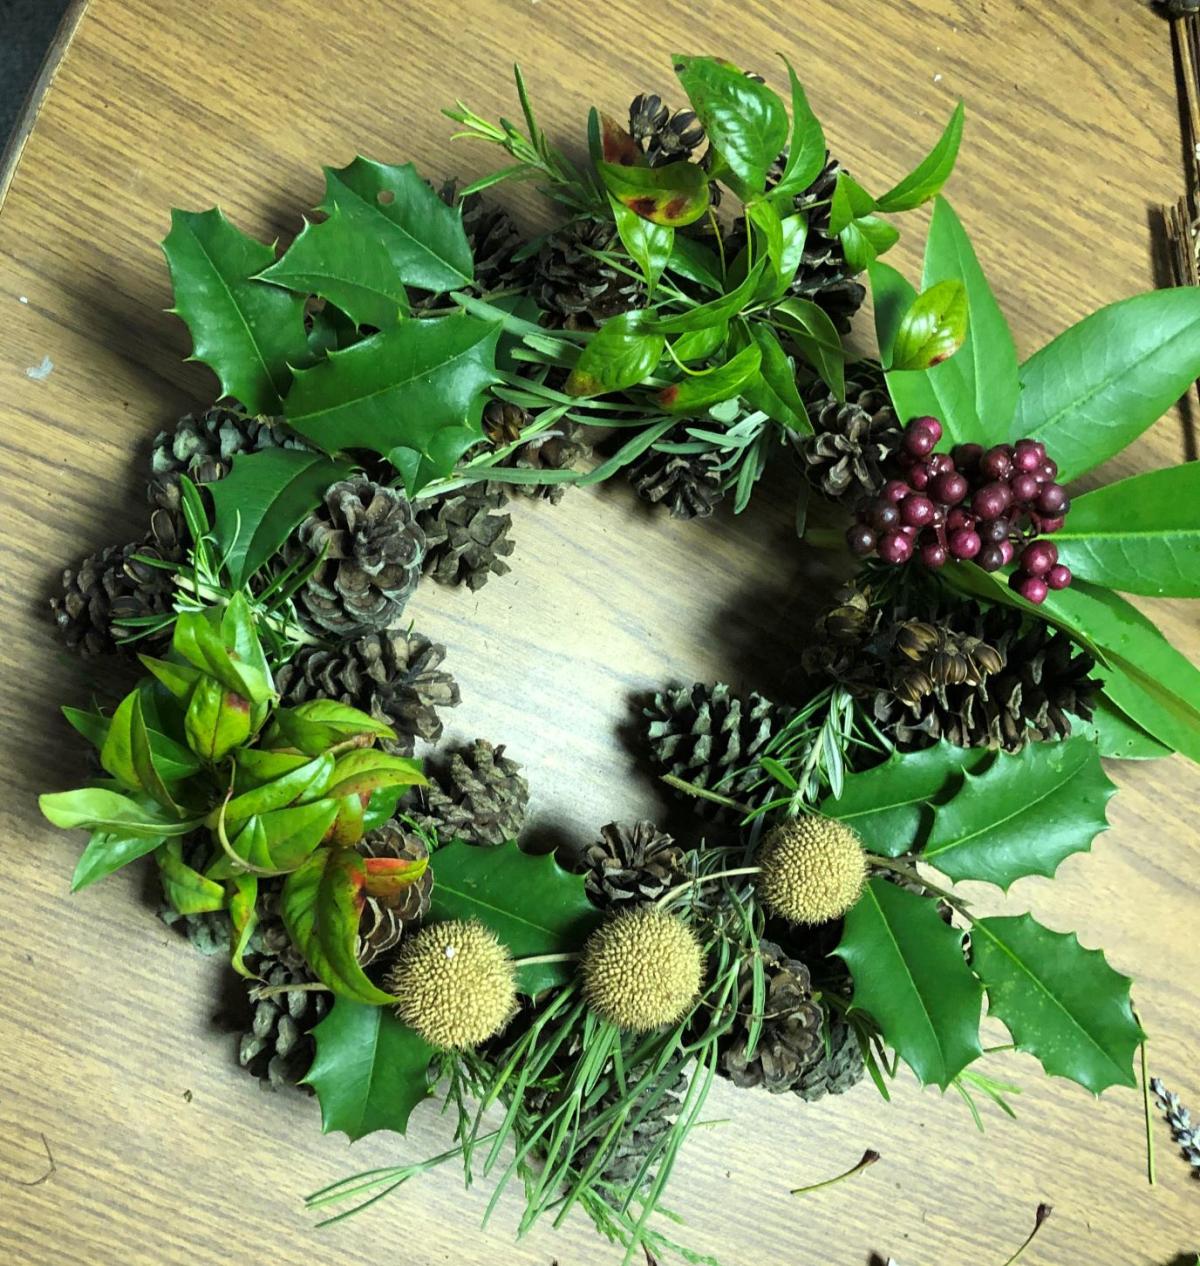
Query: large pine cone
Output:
(852,441)
(687,484)
(632,865)
(372,546)
(466,535)
(573,287)
(712,738)
(480,798)
(384,923)
(395,677)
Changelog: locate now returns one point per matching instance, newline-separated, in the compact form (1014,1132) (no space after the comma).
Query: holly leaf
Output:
(1062,1003)
(1141,534)
(409,393)
(320,906)
(887,805)
(925,181)
(350,268)
(1022,815)
(369,1072)
(532,904)
(262,499)
(911,978)
(1101,383)
(933,328)
(421,235)
(248,333)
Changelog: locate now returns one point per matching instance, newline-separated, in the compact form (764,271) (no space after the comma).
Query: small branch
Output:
(703,793)
(51,1168)
(869,1157)
(672,893)
(258,993)
(1150,1174)
(572,956)
(1043,1212)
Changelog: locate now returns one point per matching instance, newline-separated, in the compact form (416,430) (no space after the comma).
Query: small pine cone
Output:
(207,933)
(852,441)
(572,286)
(385,922)
(503,422)
(663,135)
(837,1068)
(632,865)
(481,797)
(688,484)
(557,449)
(396,677)
(372,545)
(644,1129)
(278,1047)
(712,738)
(467,538)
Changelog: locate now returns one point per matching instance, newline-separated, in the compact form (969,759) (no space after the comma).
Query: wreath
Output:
(410,362)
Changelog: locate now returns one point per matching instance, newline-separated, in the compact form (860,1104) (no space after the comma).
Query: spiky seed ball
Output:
(454,984)
(813,869)
(642,969)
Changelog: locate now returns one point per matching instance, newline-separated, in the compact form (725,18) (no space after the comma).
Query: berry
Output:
(934,555)
(1031,588)
(990,558)
(1038,558)
(1050,525)
(959,518)
(991,501)
(883,515)
(1026,457)
(895,490)
(966,456)
(1049,470)
(916,511)
(995,531)
(1059,576)
(1024,488)
(918,476)
(918,441)
(861,539)
(940,464)
(1052,499)
(932,425)
(996,463)
(949,488)
(964,543)
(1008,550)
(895,547)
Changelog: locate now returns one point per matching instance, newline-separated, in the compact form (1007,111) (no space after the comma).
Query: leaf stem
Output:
(571,956)
(869,1157)
(672,893)
(914,876)
(1043,1212)
(703,793)
(1151,1176)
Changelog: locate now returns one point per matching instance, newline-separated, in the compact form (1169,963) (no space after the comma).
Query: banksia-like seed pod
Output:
(454,984)
(813,869)
(642,969)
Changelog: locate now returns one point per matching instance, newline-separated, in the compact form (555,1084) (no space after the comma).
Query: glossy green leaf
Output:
(887,805)
(320,907)
(98,809)
(278,840)
(609,142)
(700,344)
(696,262)
(116,756)
(107,852)
(365,770)
(319,724)
(865,239)
(1062,1003)
(933,328)
(201,643)
(746,123)
(149,775)
(815,334)
(407,393)
(187,890)
(648,244)
(243,916)
(532,904)
(307,781)
(1141,534)
(262,500)
(774,392)
(248,333)
(1116,735)
(422,235)
(988,359)
(768,225)
(217,720)
(778,279)
(382,807)
(673,195)
(806,147)
(715,312)
(256,766)
(850,202)
(369,1072)
(1101,383)
(927,179)
(722,382)
(911,978)
(174,760)
(891,295)
(177,678)
(388,877)
(621,354)
(1023,814)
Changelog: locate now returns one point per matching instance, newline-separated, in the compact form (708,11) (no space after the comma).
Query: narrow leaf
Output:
(927,179)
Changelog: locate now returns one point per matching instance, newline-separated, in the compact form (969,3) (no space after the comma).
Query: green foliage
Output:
(911,978)
(808,325)
(621,355)
(1023,814)
(649,244)
(775,391)
(673,195)
(933,328)
(925,181)
(1063,1004)
(806,148)
(248,333)
(370,1071)
(722,382)
(532,904)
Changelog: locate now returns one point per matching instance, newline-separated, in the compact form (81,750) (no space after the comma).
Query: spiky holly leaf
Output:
(887,805)
(411,394)
(247,332)
(532,904)
(1062,1003)
(370,1071)
(911,978)
(1022,815)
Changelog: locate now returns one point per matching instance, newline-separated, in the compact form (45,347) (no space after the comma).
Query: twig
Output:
(51,1168)
(869,1157)
(1179,1119)
(1043,1212)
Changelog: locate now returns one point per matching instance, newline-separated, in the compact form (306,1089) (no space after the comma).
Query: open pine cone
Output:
(480,798)
(572,286)
(632,865)
(466,536)
(687,484)
(384,923)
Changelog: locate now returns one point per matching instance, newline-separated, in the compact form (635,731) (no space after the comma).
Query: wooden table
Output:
(164,1151)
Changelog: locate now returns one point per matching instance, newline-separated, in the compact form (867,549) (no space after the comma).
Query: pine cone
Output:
(395,677)
(708,736)
(643,1130)
(663,135)
(852,441)
(372,545)
(466,536)
(207,933)
(481,798)
(278,1048)
(688,484)
(632,865)
(576,289)
(835,1072)
(384,923)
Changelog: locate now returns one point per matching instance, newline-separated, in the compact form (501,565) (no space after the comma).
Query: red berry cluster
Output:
(971,503)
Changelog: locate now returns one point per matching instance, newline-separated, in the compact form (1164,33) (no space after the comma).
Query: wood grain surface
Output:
(112,1044)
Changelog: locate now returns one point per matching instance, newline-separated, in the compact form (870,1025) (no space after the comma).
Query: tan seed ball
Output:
(642,969)
(813,869)
(455,984)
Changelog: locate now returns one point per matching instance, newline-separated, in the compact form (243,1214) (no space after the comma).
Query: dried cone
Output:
(853,440)
(573,287)
(838,1066)
(395,677)
(384,923)
(278,1048)
(664,135)
(481,798)
(632,865)
(689,485)
(643,1132)
(372,547)
(467,538)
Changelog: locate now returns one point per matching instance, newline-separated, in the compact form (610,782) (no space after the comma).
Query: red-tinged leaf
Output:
(724,382)
(243,912)
(387,877)
(617,146)
(361,772)
(187,890)
(620,355)
(674,194)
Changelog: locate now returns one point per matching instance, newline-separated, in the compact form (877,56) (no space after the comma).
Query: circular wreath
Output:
(387,383)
